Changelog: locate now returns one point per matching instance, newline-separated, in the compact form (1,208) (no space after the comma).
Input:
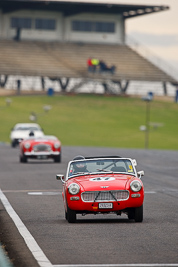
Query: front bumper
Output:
(40,155)
(117,206)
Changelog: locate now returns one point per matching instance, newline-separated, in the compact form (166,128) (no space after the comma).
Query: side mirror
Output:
(134,162)
(140,174)
(60,177)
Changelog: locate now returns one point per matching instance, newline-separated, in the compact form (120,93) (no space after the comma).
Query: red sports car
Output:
(96,185)
(45,147)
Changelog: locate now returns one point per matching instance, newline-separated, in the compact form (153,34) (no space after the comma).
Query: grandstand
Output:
(58,56)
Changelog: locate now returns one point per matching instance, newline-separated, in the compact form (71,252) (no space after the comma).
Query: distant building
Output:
(66,21)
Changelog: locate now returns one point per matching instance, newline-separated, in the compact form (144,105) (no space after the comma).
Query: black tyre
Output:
(23,159)
(139,214)
(131,214)
(65,215)
(57,158)
(13,144)
(71,215)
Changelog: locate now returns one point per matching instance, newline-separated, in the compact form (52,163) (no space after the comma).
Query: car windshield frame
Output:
(27,128)
(100,165)
(45,138)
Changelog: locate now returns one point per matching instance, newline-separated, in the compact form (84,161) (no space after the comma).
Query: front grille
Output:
(42,147)
(97,196)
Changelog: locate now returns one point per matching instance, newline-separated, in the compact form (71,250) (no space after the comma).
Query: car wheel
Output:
(65,215)
(57,158)
(23,159)
(71,215)
(139,214)
(131,214)
(13,143)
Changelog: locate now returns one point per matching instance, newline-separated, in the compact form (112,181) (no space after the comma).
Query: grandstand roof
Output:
(74,7)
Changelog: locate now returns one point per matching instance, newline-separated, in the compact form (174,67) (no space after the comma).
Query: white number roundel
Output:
(102,179)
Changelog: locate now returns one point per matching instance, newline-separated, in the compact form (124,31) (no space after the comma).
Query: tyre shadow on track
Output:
(40,162)
(99,221)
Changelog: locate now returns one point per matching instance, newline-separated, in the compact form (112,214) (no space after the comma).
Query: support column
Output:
(165,88)
(3,82)
(43,83)
(122,86)
(64,84)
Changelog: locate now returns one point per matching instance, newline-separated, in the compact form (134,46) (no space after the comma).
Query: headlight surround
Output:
(74,189)
(135,186)
(56,145)
(49,148)
(27,145)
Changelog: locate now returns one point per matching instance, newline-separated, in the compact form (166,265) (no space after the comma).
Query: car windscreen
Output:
(21,128)
(101,165)
(42,138)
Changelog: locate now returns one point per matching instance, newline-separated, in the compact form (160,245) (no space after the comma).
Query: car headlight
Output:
(49,148)
(56,145)
(27,145)
(135,186)
(73,189)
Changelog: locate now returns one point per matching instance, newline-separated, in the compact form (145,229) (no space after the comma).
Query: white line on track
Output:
(26,191)
(120,265)
(44,193)
(29,240)
(57,192)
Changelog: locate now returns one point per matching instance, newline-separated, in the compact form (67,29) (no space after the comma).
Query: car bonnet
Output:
(103,181)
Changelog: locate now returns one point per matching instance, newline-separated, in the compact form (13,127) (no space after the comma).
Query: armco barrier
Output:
(4,261)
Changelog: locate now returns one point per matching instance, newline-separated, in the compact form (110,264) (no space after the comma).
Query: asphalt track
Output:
(35,232)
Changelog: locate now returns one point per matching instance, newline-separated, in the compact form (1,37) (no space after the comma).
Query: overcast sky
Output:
(157,31)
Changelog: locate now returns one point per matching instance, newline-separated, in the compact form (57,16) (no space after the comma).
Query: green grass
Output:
(93,120)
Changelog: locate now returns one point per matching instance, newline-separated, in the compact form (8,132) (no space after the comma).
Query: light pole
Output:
(148,100)
(147,123)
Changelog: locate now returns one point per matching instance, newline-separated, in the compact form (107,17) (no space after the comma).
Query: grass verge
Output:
(95,120)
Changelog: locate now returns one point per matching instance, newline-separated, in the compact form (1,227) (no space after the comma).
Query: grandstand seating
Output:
(54,59)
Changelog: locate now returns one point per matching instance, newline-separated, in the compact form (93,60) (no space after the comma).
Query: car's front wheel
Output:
(13,143)
(57,158)
(71,215)
(65,215)
(131,214)
(138,214)
(23,159)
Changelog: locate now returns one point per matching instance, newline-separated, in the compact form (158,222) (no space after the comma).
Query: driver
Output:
(80,167)
(31,133)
